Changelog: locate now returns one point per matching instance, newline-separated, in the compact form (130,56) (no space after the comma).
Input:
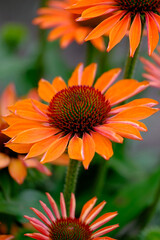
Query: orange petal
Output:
(45,90)
(4,160)
(99,43)
(88,150)
(62,160)
(124,89)
(146,102)
(75,148)
(58,32)
(103,146)
(106,79)
(84,3)
(126,130)
(41,147)
(139,125)
(34,135)
(87,208)
(56,149)
(109,133)
(89,74)
(104,26)
(6,237)
(94,212)
(59,84)
(66,39)
(104,230)
(119,31)
(135,34)
(136,113)
(75,79)
(34,163)
(17,170)
(152,32)
(17,128)
(19,147)
(8,98)
(80,34)
(96,11)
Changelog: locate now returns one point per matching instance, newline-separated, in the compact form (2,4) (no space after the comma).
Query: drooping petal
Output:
(40,147)
(124,89)
(37,236)
(106,79)
(4,160)
(19,148)
(56,149)
(41,216)
(88,150)
(103,146)
(58,32)
(40,229)
(152,32)
(17,170)
(34,163)
(135,34)
(89,74)
(104,26)
(109,133)
(75,79)
(96,11)
(75,148)
(99,43)
(119,31)
(126,130)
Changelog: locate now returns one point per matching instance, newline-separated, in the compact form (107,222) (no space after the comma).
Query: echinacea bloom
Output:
(80,117)
(58,226)
(17,167)
(63,24)
(152,69)
(124,15)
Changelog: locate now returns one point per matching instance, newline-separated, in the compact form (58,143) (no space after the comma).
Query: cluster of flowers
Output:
(81,118)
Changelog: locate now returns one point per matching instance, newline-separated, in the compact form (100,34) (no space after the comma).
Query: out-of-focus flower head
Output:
(80,117)
(64,25)
(69,227)
(17,167)
(123,15)
(152,69)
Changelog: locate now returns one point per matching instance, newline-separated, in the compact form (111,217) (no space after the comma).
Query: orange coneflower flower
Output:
(79,117)
(17,167)
(63,227)
(152,69)
(6,237)
(65,27)
(126,14)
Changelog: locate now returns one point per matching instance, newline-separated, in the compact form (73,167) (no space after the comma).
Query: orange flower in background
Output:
(17,167)
(126,14)
(57,227)
(64,25)
(79,117)
(152,69)
(6,237)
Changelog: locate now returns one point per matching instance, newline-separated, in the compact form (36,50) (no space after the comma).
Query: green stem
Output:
(71,180)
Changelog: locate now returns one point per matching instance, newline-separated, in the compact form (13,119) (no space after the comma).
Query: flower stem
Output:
(71,180)
(89,53)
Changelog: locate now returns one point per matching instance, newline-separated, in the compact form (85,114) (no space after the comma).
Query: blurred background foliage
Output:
(132,181)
